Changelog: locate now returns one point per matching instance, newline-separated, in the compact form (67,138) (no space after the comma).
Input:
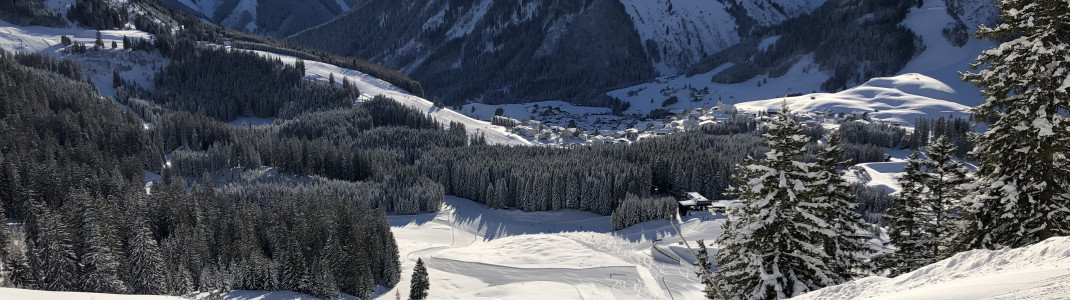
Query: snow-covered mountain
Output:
(140,67)
(928,83)
(678,33)
(269,17)
(502,51)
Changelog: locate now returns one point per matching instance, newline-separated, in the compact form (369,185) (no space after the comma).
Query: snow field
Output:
(1040,271)
(476,253)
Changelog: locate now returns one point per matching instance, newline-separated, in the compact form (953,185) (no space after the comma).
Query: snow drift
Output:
(1040,271)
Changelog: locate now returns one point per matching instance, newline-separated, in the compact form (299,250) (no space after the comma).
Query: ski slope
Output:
(472,252)
(370,86)
(1040,271)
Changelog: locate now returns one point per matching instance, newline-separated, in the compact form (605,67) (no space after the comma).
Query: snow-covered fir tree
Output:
(925,223)
(847,244)
(946,186)
(100,258)
(772,246)
(702,261)
(1024,169)
(145,273)
(905,222)
(420,283)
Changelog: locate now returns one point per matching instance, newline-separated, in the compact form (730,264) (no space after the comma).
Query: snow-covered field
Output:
(135,66)
(1040,271)
(902,99)
(475,253)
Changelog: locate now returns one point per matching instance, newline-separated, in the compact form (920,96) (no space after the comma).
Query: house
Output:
(693,201)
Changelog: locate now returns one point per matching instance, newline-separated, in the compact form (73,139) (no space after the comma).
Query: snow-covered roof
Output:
(696,197)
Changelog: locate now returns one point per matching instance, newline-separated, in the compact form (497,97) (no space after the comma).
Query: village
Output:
(552,125)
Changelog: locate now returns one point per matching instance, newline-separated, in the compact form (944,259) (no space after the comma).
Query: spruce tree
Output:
(946,184)
(1022,195)
(906,221)
(772,244)
(702,261)
(52,255)
(99,44)
(847,247)
(100,258)
(145,273)
(420,283)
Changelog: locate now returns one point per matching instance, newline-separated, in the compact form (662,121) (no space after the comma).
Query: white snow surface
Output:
(134,66)
(1040,271)
(940,60)
(903,99)
(47,39)
(23,294)
(472,252)
(370,86)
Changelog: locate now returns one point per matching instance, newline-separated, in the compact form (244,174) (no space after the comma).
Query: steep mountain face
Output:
(269,17)
(679,33)
(517,51)
(500,51)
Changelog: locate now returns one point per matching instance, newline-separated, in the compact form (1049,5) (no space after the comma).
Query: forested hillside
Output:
(278,18)
(495,51)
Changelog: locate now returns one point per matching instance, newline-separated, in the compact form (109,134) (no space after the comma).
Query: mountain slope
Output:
(495,50)
(511,52)
(269,17)
(936,63)
(1040,271)
(678,33)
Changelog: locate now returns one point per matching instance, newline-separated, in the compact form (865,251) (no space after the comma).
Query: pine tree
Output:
(1023,194)
(702,260)
(771,246)
(420,283)
(144,263)
(99,44)
(52,256)
(946,184)
(905,221)
(847,247)
(100,260)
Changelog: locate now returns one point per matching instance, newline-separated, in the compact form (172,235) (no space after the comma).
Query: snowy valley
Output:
(538,150)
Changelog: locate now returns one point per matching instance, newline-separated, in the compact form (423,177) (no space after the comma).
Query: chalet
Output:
(693,201)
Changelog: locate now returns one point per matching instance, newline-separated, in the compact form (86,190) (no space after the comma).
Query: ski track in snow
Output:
(477,253)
